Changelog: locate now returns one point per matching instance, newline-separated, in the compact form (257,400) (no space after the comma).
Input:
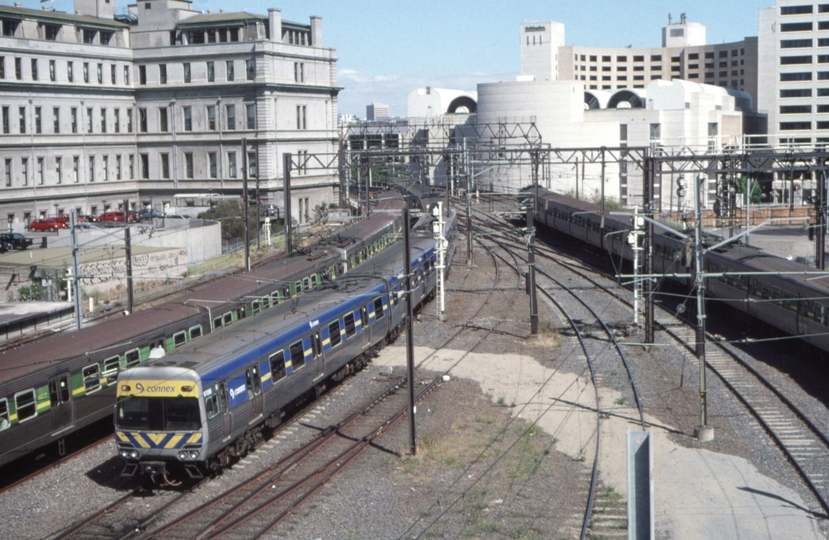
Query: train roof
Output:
(48,352)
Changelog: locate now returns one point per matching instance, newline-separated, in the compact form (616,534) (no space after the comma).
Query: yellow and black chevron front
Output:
(165,441)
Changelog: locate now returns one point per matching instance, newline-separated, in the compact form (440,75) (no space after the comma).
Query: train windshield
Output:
(159,413)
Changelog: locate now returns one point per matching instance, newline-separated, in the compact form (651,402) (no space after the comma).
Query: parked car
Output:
(151,214)
(15,240)
(46,224)
(88,218)
(115,216)
(178,216)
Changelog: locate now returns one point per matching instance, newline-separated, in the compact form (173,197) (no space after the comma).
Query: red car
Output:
(46,224)
(115,216)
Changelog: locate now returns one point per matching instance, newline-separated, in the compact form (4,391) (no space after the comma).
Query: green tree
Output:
(741,184)
(30,293)
(232,217)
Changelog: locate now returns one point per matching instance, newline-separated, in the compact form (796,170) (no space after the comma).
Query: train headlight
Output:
(125,454)
(182,455)
(134,454)
(194,454)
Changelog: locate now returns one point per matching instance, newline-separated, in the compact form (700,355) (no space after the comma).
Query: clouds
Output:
(361,89)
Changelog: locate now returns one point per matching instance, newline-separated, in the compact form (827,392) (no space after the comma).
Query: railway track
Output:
(796,433)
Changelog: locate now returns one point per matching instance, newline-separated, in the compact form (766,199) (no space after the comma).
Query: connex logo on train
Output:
(154,389)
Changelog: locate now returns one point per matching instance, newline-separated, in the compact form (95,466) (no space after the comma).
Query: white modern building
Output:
(434,102)
(157,107)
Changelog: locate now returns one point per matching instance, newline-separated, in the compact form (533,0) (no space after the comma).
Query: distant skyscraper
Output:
(376,111)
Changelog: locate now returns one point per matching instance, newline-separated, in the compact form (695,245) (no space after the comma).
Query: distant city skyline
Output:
(388,49)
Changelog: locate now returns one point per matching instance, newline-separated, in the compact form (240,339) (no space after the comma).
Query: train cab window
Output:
(179,338)
(111,366)
(227,318)
(4,415)
(217,323)
(252,381)
(297,355)
(316,345)
(255,306)
(131,358)
(195,331)
(91,379)
(378,308)
(25,404)
(348,322)
(277,361)
(334,333)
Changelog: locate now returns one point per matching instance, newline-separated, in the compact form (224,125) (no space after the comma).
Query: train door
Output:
(227,415)
(253,384)
(316,352)
(365,325)
(60,398)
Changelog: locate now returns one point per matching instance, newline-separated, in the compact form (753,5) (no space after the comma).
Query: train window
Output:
(179,338)
(195,331)
(4,415)
(241,313)
(132,357)
(334,333)
(255,306)
(277,361)
(25,404)
(223,398)
(316,345)
(227,318)
(111,366)
(364,316)
(253,382)
(91,379)
(211,405)
(297,288)
(348,322)
(275,297)
(297,355)
(217,323)
(378,308)
(306,284)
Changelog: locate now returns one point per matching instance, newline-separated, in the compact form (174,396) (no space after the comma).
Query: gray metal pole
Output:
(76,270)
(245,201)
(128,257)
(531,274)
(407,273)
(289,228)
(703,432)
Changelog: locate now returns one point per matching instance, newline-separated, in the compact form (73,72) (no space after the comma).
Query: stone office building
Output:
(155,107)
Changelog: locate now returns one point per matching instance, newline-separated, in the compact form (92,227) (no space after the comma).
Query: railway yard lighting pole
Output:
(245,201)
(441,245)
(531,273)
(407,262)
(76,271)
(704,432)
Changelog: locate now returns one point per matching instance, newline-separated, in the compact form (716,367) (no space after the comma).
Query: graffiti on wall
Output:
(103,275)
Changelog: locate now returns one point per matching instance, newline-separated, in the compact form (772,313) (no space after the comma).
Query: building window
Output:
(796,27)
(145,166)
(38,123)
(100,73)
(795,10)
(250,109)
(8,172)
(795,43)
(131,166)
(51,32)
(162,119)
(211,72)
(89,120)
(112,73)
(18,68)
(129,120)
(252,169)
(142,75)
(6,120)
(795,126)
(70,71)
(230,74)
(187,72)
(34,69)
(142,120)
(91,168)
(103,120)
(212,164)
(211,117)
(89,36)
(52,74)
(55,120)
(117,120)
(105,168)
(656,132)
(300,117)
(21,119)
(73,119)
(790,60)
(805,76)
(188,118)
(118,167)
(24,171)
(165,166)
(127,75)
(188,164)
(40,171)
(231,164)
(76,165)
(250,66)
(58,170)
(299,72)
(231,117)
(86,72)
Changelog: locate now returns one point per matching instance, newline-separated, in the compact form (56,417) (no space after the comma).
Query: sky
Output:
(386,49)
